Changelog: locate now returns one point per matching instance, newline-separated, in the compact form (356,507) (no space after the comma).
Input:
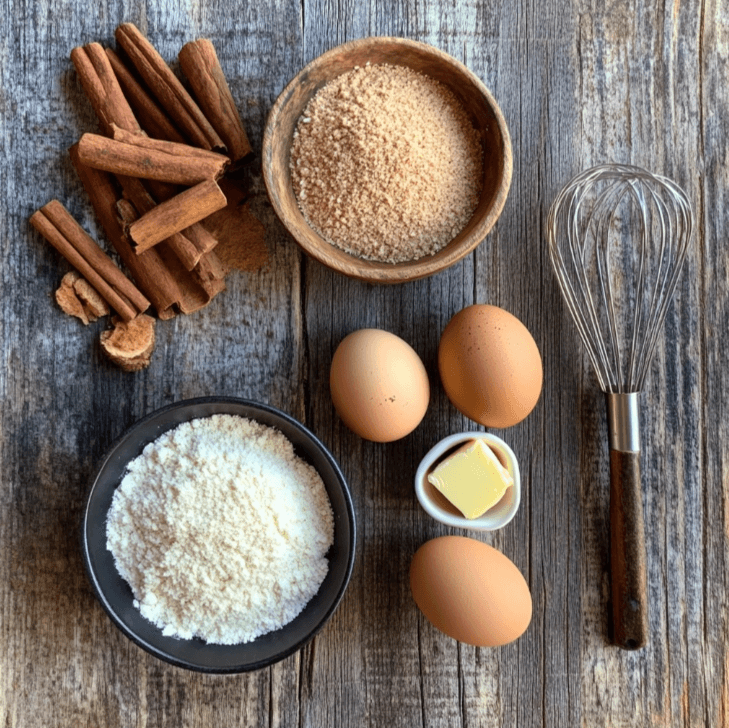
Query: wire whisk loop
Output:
(618,237)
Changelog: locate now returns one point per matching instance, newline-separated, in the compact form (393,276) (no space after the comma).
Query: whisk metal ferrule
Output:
(623,421)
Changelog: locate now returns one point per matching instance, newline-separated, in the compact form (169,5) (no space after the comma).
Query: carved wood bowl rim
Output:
(476,99)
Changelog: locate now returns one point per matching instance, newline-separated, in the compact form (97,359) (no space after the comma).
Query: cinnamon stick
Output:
(139,196)
(102,88)
(154,192)
(174,149)
(196,293)
(133,160)
(176,214)
(148,270)
(59,228)
(167,89)
(200,64)
(203,239)
(150,115)
(200,237)
(210,268)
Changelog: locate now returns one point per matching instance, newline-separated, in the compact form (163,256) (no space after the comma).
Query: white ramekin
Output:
(435,503)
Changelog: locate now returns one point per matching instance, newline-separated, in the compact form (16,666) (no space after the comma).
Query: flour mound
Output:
(221,530)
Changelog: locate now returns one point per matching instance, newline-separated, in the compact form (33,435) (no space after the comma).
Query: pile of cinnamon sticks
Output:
(151,174)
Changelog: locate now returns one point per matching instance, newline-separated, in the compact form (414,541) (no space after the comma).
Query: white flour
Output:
(221,530)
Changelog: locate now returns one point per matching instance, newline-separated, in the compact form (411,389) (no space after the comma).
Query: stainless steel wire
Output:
(618,237)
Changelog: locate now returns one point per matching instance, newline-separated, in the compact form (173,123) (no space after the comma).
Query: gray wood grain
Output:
(579,83)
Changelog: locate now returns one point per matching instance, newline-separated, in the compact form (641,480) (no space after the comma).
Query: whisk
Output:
(618,236)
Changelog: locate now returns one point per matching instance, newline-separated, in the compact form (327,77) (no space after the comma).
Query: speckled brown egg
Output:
(379,385)
(470,591)
(490,366)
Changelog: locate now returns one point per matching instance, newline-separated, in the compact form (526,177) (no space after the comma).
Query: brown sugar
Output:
(385,164)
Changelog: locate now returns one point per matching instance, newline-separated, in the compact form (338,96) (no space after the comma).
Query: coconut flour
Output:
(221,530)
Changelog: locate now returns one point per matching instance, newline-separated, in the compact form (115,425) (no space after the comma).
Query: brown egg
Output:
(379,385)
(470,591)
(490,366)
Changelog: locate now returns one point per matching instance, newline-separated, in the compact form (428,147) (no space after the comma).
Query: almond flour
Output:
(385,164)
(221,530)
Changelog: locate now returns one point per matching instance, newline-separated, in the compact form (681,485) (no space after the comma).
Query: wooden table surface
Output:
(579,82)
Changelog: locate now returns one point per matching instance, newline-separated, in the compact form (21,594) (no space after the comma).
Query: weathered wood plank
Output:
(710,647)
(640,105)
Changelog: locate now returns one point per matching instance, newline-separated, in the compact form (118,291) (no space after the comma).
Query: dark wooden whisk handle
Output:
(627,552)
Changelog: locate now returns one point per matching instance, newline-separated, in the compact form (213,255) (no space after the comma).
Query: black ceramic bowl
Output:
(115,594)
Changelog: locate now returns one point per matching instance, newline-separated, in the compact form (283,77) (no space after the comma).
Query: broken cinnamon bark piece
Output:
(67,299)
(130,344)
(77,297)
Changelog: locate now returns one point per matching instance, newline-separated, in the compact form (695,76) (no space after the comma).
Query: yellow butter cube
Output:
(472,478)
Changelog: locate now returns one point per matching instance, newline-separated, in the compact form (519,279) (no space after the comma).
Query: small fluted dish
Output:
(435,503)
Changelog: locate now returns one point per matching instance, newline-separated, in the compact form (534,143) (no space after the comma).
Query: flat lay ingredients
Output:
(470,591)
(618,236)
(221,530)
(472,478)
(379,385)
(385,164)
(490,366)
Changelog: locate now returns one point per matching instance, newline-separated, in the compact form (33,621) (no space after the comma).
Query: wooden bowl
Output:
(481,107)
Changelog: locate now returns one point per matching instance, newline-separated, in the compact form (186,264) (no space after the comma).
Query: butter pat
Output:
(472,478)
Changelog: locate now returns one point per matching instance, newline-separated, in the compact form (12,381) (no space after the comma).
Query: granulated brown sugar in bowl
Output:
(385,164)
